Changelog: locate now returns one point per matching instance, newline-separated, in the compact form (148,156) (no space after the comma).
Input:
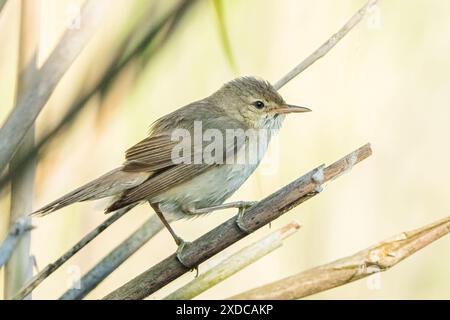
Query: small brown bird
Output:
(205,178)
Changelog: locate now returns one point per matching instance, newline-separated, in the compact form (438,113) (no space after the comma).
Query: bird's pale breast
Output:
(208,189)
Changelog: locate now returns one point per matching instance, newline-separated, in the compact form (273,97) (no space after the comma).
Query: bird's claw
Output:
(181,246)
(196,271)
(239,220)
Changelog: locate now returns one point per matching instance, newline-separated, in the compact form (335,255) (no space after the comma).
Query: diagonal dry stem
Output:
(31,102)
(379,257)
(230,265)
(52,267)
(114,259)
(327,46)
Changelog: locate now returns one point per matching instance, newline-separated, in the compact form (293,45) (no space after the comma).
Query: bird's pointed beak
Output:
(288,108)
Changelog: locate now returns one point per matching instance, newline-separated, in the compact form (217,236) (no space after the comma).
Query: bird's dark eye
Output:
(259,104)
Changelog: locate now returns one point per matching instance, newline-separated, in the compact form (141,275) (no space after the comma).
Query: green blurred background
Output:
(386,83)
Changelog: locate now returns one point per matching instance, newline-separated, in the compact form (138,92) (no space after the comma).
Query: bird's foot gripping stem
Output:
(244,205)
(241,205)
(182,245)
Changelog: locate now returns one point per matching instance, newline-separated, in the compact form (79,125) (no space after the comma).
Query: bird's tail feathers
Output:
(110,184)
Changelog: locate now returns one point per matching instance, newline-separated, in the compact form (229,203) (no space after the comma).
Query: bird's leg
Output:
(241,205)
(178,240)
(237,204)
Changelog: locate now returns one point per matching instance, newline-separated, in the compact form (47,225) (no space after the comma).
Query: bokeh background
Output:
(386,83)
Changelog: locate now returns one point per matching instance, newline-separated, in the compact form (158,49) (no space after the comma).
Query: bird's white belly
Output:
(211,188)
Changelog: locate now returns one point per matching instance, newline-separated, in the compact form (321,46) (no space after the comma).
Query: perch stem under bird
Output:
(195,157)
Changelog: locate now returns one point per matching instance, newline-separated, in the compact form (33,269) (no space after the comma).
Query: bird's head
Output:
(255,102)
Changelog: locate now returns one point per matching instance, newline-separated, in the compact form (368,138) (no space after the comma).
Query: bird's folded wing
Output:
(151,154)
(154,155)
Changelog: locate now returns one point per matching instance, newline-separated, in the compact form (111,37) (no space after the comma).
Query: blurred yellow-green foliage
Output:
(386,83)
